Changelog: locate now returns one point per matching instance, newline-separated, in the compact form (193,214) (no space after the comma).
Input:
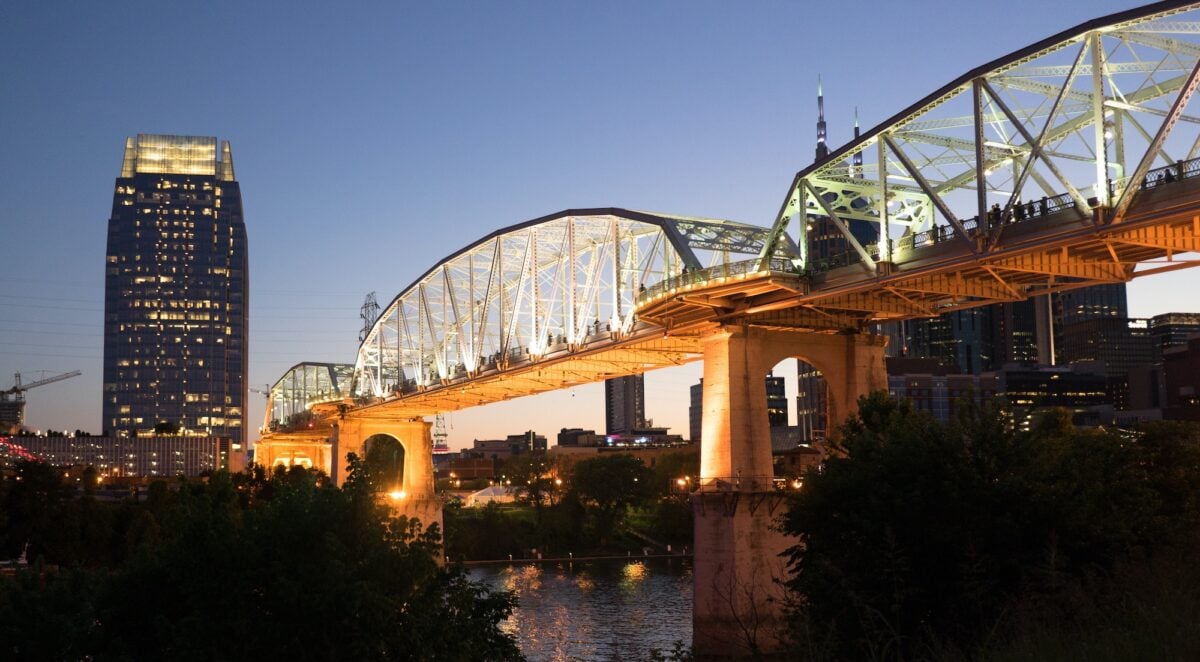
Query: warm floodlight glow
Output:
(397,495)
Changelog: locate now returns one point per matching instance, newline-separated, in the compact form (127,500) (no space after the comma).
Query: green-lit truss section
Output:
(1083,120)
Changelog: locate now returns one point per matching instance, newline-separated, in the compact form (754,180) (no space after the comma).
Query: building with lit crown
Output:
(176,291)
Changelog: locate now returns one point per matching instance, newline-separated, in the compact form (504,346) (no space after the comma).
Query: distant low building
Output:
(579,437)
(565,457)
(156,456)
(466,465)
(513,444)
(937,389)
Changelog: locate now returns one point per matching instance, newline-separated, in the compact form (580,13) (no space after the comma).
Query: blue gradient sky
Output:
(372,140)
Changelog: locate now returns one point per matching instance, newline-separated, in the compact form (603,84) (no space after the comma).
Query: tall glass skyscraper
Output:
(176,291)
(624,404)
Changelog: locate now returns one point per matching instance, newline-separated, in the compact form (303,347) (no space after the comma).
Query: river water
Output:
(597,610)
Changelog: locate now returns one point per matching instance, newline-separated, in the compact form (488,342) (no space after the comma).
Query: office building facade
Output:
(176,291)
(624,404)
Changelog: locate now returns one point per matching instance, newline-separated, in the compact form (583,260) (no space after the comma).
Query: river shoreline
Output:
(573,559)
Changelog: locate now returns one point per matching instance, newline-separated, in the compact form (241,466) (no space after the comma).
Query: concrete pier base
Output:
(739,608)
(739,600)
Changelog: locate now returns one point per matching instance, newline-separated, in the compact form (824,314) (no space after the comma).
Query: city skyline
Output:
(361,169)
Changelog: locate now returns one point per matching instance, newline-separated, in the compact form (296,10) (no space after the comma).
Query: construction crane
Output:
(12,401)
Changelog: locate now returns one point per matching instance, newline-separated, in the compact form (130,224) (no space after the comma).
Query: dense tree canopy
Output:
(255,567)
(926,534)
(611,484)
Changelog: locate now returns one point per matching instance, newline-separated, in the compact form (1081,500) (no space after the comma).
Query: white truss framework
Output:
(1078,123)
(539,288)
(304,385)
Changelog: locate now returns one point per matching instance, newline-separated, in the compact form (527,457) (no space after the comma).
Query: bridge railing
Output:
(708,485)
(1163,176)
(688,278)
(1021,213)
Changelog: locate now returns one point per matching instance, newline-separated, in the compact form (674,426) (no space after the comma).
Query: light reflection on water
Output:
(600,610)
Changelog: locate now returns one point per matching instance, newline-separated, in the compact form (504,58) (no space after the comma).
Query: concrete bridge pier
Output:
(416,496)
(739,602)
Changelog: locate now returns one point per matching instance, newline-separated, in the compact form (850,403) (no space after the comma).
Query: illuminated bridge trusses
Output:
(303,386)
(1079,126)
(565,283)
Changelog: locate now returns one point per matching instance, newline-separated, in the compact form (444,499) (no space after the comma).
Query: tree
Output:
(928,532)
(673,466)
(611,484)
(533,478)
(308,571)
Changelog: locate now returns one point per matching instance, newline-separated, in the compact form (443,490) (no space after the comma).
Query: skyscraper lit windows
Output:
(176,291)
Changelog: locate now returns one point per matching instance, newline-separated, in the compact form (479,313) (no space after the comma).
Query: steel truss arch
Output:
(554,284)
(1075,121)
(302,386)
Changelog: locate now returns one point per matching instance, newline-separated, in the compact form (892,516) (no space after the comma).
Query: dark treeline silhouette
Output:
(972,540)
(244,566)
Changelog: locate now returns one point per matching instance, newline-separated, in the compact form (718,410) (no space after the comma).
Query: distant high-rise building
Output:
(812,402)
(1014,333)
(960,340)
(1087,303)
(176,291)
(777,404)
(696,410)
(624,404)
(825,239)
(822,147)
(1115,344)
(1173,329)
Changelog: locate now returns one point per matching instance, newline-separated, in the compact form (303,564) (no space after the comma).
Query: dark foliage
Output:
(250,567)
(927,536)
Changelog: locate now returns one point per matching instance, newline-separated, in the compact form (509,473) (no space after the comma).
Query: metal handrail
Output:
(704,276)
(708,485)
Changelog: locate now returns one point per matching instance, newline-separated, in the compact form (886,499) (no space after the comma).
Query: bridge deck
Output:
(1059,251)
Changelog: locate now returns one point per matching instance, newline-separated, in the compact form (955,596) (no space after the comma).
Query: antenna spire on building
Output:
(822,148)
(857,160)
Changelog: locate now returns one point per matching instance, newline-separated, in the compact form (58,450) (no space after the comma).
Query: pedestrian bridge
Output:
(1071,162)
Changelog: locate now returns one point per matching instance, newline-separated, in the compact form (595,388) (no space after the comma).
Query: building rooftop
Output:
(177,155)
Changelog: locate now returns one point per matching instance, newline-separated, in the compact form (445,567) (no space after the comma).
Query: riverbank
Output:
(573,559)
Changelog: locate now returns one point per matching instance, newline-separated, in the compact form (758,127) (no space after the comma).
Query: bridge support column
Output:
(419,499)
(738,602)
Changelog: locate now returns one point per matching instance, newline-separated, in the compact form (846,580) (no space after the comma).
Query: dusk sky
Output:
(373,139)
